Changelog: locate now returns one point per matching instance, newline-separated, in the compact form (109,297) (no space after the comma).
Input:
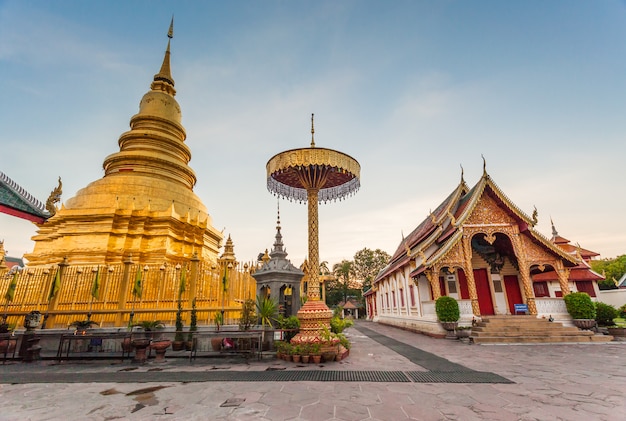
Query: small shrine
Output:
(278,279)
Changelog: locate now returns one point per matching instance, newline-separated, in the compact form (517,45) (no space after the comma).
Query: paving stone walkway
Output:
(543,382)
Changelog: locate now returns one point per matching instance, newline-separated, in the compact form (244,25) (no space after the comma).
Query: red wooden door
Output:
(484,292)
(513,292)
(463,285)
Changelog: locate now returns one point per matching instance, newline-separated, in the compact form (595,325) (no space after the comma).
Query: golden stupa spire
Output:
(163,81)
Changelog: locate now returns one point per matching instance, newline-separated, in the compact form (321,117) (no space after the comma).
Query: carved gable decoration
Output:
(453,258)
(536,254)
(487,211)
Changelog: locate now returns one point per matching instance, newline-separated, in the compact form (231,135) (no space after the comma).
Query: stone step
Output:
(530,329)
(540,329)
(535,339)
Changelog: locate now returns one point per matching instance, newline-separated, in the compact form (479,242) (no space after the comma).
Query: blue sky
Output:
(411,89)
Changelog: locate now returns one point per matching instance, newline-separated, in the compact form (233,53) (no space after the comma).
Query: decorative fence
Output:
(110,293)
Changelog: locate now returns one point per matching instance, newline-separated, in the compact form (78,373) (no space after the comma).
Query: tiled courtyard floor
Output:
(547,382)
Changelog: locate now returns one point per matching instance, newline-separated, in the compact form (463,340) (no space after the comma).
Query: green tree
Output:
(367,264)
(344,284)
(613,269)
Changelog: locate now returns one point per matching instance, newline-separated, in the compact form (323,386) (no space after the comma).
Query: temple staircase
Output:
(529,329)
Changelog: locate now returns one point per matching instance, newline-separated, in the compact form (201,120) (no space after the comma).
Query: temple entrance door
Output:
(513,292)
(485,303)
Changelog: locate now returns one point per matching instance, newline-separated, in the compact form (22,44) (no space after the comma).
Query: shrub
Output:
(580,306)
(178,336)
(447,309)
(290,324)
(622,312)
(193,320)
(605,314)
(337,324)
(248,314)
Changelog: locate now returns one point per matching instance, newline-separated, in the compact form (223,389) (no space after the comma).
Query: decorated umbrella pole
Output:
(313,175)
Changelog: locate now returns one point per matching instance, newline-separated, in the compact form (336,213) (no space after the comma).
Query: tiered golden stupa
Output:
(144,204)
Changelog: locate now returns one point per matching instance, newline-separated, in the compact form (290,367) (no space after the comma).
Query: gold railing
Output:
(116,299)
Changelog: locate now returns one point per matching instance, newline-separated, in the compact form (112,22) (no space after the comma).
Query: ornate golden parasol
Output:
(313,175)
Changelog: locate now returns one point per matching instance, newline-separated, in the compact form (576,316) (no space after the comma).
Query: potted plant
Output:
(8,341)
(141,341)
(267,310)
(280,349)
(179,337)
(582,310)
(286,353)
(605,313)
(463,332)
(81,326)
(305,351)
(296,353)
(193,326)
(344,347)
(316,352)
(619,328)
(447,309)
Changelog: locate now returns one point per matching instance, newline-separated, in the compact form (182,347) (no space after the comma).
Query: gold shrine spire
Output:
(163,81)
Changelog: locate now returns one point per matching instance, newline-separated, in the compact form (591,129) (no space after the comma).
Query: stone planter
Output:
(7,346)
(617,331)
(584,324)
(449,327)
(463,333)
(178,345)
(159,348)
(216,343)
(141,346)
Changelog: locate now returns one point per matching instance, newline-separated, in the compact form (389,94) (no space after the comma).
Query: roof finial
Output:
(163,80)
(462,179)
(170,32)
(278,213)
(554,231)
(312,132)
(484,164)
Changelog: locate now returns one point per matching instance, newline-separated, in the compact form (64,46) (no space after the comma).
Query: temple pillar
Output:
(524,270)
(193,278)
(433,279)
(52,303)
(469,274)
(123,291)
(563,274)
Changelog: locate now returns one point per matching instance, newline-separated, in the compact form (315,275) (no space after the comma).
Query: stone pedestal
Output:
(141,346)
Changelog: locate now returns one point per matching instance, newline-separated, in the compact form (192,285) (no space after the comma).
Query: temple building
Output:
(144,204)
(478,247)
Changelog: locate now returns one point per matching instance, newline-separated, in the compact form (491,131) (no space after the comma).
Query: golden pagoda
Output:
(144,204)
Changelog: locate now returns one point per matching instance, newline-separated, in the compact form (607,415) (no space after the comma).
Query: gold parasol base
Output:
(314,316)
